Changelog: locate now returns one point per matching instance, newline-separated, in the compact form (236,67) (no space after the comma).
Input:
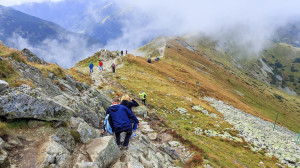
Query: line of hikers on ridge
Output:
(113,66)
(120,118)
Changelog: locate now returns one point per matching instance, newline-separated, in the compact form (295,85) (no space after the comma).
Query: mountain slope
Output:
(180,86)
(100,20)
(15,23)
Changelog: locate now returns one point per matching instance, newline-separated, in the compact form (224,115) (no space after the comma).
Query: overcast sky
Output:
(252,21)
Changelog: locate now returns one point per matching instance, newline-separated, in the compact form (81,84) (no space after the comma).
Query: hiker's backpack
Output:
(113,65)
(108,124)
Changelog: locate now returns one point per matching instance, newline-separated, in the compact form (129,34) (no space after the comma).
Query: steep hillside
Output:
(178,87)
(35,30)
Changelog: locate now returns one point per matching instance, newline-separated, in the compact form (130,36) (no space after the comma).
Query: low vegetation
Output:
(174,82)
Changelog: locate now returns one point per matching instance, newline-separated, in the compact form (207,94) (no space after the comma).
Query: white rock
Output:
(3,85)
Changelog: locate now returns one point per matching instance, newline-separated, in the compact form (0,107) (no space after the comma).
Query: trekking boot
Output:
(125,147)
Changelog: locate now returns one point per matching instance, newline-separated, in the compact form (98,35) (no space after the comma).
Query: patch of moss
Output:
(75,135)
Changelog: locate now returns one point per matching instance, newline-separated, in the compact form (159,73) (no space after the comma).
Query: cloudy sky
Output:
(252,21)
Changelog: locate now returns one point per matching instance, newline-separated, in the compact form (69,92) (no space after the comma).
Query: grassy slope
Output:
(166,95)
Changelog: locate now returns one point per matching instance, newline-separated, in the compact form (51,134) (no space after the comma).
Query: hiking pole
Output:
(298,138)
(275,121)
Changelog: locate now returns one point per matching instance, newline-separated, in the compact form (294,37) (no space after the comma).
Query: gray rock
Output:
(174,143)
(54,154)
(87,133)
(35,123)
(3,158)
(64,137)
(74,122)
(86,165)
(32,58)
(26,102)
(140,111)
(182,110)
(104,151)
(170,151)
(3,85)
(152,136)
(37,78)
(14,141)
(145,162)
(1,58)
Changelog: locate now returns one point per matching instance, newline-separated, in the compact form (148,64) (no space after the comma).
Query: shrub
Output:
(196,160)
(3,129)
(15,56)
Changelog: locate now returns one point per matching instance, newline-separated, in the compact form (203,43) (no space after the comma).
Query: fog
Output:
(65,54)
(250,24)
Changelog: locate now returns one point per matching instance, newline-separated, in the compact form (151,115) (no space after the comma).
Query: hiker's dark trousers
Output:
(144,101)
(114,70)
(126,140)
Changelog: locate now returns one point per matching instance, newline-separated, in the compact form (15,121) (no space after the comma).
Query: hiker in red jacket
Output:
(113,66)
(126,52)
(100,65)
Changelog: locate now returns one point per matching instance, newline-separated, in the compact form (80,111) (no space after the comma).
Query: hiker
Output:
(121,52)
(149,60)
(91,66)
(157,58)
(129,103)
(126,52)
(113,66)
(117,53)
(100,65)
(144,97)
(120,120)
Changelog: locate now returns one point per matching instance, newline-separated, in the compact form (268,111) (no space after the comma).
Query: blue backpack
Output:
(108,125)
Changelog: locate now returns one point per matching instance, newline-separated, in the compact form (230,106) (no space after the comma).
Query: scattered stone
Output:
(198,108)
(86,165)
(182,110)
(152,136)
(3,85)
(170,151)
(145,162)
(198,131)
(174,143)
(140,111)
(74,122)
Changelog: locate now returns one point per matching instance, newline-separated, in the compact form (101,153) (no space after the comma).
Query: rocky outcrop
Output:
(103,151)
(53,154)
(26,102)
(3,85)
(32,58)
(3,155)
(87,133)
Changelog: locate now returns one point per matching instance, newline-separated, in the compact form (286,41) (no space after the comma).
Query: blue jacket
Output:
(120,117)
(91,66)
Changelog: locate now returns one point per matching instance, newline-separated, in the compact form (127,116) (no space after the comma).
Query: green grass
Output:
(162,81)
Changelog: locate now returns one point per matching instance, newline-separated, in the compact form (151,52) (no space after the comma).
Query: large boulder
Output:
(104,151)
(87,133)
(26,102)
(3,85)
(53,154)
(140,110)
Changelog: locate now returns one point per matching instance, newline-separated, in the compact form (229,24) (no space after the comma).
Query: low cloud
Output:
(19,2)
(66,53)
(246,23)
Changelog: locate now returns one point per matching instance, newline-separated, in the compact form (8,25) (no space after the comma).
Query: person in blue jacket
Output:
(91,66)
(120,118)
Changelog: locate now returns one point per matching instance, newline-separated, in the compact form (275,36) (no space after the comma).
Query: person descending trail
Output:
(113,66)
(129,103)
(91,66)
(126,52)
(100,65)
(143,97)
(117,53)
(120,118)
(121,52)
